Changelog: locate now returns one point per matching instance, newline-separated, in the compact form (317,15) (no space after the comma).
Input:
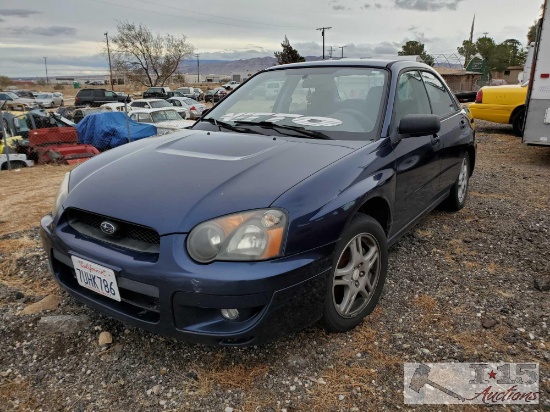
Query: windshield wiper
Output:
(220,124)
(312,134)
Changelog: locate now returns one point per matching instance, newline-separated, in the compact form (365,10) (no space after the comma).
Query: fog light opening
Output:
(230,314)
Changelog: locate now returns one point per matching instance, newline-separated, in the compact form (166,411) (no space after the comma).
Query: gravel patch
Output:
(461,287)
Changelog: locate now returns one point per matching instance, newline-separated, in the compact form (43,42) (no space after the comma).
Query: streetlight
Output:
(110,67)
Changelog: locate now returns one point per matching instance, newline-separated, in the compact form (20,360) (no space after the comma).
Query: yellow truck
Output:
(501,104)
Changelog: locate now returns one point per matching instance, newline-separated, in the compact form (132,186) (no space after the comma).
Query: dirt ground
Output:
(460,288)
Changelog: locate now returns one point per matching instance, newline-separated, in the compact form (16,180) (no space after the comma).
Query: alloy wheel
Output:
(356,275)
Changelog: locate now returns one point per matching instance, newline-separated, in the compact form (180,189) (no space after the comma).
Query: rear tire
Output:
(358,275)
(518,122)
(459,191)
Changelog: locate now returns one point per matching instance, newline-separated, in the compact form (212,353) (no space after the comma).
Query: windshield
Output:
(184,90)
(12,95)
(160,104)
(164,115)
(343,103)
(44,96)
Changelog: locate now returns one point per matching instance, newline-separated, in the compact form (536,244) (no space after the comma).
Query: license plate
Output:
(95,277)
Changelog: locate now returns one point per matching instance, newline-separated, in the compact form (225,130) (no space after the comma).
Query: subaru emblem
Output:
(108,228)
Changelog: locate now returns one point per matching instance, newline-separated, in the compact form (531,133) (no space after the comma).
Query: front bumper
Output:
(168,294)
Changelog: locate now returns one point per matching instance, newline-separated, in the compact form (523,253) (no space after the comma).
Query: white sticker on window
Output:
(277,117)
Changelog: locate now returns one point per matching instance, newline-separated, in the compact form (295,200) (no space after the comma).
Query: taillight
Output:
(76,99)
(479,96)
(192,108)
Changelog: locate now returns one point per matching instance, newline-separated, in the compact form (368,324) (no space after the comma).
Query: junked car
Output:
(166,120)
(114,107)
(195,108)
(268,215)
(49,100)
(502,104)
(159,104)
(14,102)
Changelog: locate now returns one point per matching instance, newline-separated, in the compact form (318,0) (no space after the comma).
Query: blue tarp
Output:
(108,130)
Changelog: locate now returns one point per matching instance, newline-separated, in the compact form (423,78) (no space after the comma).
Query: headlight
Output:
(247,236)
(61,194)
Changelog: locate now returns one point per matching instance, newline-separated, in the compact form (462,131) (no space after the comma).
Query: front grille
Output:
(128,235)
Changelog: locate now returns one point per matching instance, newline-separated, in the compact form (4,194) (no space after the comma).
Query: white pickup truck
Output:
(231,85)
(17,161)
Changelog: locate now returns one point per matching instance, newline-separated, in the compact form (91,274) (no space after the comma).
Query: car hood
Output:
(174,182)
(25,100)
(175,124)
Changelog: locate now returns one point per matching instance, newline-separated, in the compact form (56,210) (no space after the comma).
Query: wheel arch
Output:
(472,155)
(515,112)
(378,208)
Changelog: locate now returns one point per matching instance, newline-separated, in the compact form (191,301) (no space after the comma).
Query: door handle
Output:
(463,124)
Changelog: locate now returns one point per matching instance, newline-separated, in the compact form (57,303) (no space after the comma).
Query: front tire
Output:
(358,274)
(459,191)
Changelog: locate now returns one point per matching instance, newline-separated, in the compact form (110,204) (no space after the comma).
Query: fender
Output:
(335,195)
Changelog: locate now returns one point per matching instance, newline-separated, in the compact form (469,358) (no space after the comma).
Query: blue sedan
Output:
(272,212)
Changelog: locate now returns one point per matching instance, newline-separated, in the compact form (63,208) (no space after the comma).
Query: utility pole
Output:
(471,40)
(342,47)
(198,68)
(485,33)
(322,30)
(110,67)
(46,65)
(330,52)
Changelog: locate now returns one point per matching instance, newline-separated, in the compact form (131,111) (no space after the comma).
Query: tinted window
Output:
(99,93)
(442,102)
(84,93)
(411,97)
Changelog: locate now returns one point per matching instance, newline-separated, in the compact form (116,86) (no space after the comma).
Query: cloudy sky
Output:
(70,33)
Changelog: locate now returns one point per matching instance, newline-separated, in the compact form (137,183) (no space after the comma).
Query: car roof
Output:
(112,105)
(375,63)
(148,100)
(159,109)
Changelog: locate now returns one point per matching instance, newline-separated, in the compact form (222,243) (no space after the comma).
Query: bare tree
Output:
(146,58)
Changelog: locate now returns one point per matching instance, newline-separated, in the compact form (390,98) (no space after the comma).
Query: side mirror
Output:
(419,125)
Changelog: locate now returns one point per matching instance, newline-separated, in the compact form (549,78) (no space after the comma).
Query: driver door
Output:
(417,160)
